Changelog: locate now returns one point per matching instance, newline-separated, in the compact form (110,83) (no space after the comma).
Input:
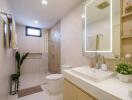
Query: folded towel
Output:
(97,42)
(2,41)
(9,20)
(14,35)
(6,31)
(9,32)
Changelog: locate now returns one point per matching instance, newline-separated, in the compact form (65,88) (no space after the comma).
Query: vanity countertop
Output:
(110,89)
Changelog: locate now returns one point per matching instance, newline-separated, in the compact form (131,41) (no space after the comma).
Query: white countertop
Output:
(110,89)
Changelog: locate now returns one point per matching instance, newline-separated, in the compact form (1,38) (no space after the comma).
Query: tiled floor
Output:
(30,80)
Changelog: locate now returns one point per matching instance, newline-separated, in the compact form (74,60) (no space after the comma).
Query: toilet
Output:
(55,81)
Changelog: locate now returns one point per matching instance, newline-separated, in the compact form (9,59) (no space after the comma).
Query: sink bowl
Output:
(93,74)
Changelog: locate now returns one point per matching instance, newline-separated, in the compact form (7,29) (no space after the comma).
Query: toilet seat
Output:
(55,83)
(54,76)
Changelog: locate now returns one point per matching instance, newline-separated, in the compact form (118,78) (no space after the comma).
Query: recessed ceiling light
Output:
(36,22)
(83,16)
(45,2)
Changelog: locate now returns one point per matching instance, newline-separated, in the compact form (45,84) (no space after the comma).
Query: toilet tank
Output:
(65,67)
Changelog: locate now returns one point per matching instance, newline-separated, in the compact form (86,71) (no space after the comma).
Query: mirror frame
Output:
(84,17)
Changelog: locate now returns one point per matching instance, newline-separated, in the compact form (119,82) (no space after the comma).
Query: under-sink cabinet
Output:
(72,92)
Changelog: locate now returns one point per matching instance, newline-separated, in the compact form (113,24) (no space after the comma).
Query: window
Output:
(32,31)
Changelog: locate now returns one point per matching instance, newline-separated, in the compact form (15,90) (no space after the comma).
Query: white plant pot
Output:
(124,78)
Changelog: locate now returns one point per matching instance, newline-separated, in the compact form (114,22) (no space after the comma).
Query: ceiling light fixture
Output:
(36,22)
(45,2)
(83,16)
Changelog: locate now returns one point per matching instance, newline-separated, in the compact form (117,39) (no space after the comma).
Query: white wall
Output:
(36,62)
(71,39)
(28,43)
(7,65)
(4,6)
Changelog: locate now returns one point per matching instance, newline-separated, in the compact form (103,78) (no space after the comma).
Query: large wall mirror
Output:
(101,24)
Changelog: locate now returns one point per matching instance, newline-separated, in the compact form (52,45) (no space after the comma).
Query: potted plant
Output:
(15,77)
(124,71)
(20,59)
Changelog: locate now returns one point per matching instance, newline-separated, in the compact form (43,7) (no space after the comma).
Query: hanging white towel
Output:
(1,33)
(14,35)
(6,31)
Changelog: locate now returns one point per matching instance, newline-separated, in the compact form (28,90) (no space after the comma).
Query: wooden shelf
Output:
(126,15)
(126,59)
(126,23)
(119,59)
(126,37)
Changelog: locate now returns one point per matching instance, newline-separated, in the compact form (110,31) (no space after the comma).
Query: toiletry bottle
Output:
(104,65)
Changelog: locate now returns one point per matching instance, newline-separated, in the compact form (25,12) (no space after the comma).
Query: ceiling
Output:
(27,11)
(92,12)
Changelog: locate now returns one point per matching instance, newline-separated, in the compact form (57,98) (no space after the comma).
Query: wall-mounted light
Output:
(44,2)
(83,16)
(36,22)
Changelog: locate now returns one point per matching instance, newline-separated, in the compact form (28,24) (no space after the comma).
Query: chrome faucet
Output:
(97,60)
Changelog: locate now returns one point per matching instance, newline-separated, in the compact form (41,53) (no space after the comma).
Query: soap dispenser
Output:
(104,66)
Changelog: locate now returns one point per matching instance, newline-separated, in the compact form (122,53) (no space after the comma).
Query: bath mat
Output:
(29,91)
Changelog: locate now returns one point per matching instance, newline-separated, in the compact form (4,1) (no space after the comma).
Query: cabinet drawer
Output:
(72,92)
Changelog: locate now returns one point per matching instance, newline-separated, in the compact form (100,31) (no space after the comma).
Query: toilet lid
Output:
(54,76)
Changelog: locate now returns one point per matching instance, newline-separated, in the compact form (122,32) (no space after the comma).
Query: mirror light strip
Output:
(111,23)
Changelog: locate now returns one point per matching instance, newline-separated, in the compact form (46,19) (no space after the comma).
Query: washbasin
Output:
(93,74)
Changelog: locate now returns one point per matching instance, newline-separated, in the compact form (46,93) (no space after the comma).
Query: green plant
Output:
(20,59)
(123,68)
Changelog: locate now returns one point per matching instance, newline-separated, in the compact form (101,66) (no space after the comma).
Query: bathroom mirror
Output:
(97,31)
(101,27)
